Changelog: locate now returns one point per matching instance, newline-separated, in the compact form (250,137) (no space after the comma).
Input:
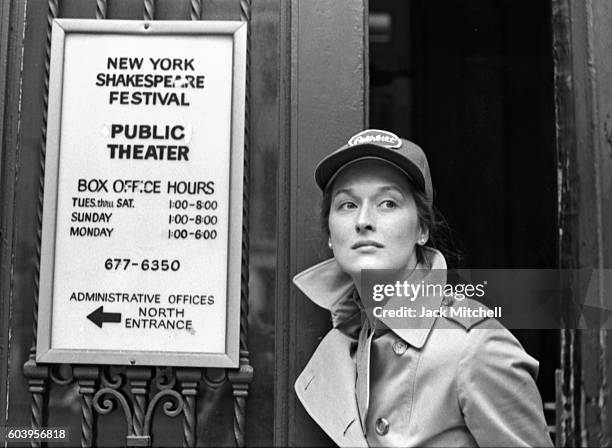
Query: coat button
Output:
(382,426)
(400,347)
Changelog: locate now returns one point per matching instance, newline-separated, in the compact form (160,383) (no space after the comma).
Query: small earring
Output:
(329,244)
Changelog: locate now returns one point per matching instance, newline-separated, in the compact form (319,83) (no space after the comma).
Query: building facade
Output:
(512,104)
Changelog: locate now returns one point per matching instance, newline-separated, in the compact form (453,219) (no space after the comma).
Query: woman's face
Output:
(373,222)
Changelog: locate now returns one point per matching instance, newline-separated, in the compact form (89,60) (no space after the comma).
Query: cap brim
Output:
(330,165)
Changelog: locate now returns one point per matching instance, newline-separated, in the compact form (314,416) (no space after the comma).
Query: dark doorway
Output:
(471,81)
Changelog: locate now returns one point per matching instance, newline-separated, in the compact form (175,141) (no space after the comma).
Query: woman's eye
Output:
(346,205)
(388,204)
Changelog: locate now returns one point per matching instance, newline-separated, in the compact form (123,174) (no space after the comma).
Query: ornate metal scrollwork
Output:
(138,432)
(215,377)
(61,378)
(189,380)
(242,377)
(195,10)
(107,405)
(87,377)
(149,9)
(100,9)
(110,380)
(138,379)
(37,375)
(173,407)
(164,378)
(37,385)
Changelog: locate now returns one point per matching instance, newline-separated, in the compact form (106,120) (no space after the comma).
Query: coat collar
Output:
(330,399)
(331,288)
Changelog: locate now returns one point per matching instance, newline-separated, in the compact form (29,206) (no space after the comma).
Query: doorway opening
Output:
(471,81)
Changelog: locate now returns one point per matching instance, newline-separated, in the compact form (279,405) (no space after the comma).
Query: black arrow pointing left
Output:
(98,317)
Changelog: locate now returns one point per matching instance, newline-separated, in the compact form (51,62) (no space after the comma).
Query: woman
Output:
(375,381)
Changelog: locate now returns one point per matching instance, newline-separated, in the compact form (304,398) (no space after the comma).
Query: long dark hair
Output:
(441,236)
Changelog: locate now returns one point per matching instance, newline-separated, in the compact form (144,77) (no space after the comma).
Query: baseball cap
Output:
(383,145)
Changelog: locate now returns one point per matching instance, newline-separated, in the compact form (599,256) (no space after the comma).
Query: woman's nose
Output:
(365,220)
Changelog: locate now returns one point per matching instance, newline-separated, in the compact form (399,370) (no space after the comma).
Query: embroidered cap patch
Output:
(376,136)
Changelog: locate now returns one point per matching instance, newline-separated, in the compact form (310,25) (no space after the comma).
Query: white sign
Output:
(141,237)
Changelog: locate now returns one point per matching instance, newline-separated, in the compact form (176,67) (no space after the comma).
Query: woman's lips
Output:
(366,243)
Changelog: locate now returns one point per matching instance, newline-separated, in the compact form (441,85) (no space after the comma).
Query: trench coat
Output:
(449,382)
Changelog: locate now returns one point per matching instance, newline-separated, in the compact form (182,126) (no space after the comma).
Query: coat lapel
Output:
(328,394)
(326,387)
